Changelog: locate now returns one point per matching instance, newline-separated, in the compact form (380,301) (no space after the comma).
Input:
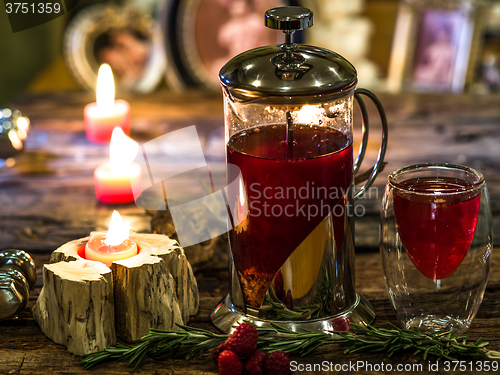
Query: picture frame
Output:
(124,37)
(434,46)
(202,35)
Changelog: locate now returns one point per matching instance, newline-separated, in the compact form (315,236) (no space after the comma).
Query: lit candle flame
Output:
(22,127)
(22,134)
(118,231)
(122,150)
(23,123)
(337,107)
(15,140)
(242,193)
(309,115)
(242,207)
(105,91)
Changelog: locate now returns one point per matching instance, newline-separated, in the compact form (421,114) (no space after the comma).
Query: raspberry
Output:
(243,340)
(253,365)
(216,352)
(341,324)
(276,363)
(230,363)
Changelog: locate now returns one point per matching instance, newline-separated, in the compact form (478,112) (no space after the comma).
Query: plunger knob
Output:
(289,19)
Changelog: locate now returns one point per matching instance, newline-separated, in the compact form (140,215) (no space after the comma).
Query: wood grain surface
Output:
(47,199)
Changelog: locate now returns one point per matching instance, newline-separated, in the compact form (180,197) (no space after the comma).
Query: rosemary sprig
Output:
(319,307)
(323,296)
(274,309)
(190,341)
(369,339)
(158,344)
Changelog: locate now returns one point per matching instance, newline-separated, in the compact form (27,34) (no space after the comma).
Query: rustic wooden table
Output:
(47,198)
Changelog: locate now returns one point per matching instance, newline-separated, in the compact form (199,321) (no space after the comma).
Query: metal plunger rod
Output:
(289,136)
(289,119)
(289,19)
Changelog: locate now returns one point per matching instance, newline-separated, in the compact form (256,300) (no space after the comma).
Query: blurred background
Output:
(382,38)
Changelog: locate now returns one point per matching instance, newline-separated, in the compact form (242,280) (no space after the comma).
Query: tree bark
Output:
(75,307)
(154,289)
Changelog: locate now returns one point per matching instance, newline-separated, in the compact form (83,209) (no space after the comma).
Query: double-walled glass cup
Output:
(436,243)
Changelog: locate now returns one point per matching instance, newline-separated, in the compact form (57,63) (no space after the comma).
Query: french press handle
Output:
(364,142)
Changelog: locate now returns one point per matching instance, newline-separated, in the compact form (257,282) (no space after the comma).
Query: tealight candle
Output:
(114,245)
(101,117)
(116,181)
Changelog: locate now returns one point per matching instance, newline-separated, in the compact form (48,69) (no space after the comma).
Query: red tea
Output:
(287,197)
(436,230)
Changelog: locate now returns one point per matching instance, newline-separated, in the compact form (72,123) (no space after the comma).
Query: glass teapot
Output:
(288,113)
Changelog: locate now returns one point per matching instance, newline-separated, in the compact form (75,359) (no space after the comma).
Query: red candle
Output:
(101,117)
(116,181)
(114,245)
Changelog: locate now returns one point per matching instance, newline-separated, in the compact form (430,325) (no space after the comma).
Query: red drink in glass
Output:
(436,229)
(287,197)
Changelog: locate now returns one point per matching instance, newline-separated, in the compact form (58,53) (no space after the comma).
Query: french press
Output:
(288,113)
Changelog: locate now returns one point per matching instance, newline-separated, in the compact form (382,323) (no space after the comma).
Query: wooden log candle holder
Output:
(85,304)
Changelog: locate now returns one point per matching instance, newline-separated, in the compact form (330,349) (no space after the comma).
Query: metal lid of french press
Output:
(289,69)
